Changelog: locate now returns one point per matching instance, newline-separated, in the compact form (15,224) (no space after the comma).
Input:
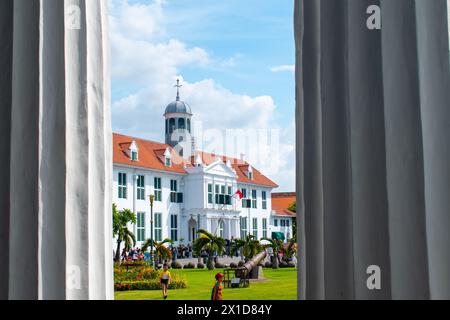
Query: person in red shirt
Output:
(217,289)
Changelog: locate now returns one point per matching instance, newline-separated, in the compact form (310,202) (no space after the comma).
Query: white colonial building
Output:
(193,190)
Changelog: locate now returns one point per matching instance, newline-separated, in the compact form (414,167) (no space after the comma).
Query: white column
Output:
(371,191)
(58,158)
(213,226)
(237,230)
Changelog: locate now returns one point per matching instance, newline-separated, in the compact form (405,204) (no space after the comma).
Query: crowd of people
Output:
(181,251)
(134,254)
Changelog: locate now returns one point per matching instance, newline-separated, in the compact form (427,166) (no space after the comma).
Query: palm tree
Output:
(291,249)
(211,244)
(121,219)
(236,246)
(197,250)
(161,251)
(250,247)
(276,246)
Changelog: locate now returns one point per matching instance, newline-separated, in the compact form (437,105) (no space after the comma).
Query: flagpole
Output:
(249,221)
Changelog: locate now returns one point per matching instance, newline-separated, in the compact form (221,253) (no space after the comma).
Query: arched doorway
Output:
(221,228)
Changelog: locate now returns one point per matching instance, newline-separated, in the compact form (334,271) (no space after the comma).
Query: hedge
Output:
(149,285)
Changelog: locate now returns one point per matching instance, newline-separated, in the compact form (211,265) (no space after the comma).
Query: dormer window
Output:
(168,158)
(198,161)
(250,173)
(134,151)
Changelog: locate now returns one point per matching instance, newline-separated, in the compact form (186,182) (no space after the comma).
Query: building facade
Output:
(193,190)
(282,217)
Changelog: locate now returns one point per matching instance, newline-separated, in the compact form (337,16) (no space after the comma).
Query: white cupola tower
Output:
(178,116)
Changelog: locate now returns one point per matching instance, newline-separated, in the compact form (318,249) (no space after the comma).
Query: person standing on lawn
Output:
(217,289)
(165,280)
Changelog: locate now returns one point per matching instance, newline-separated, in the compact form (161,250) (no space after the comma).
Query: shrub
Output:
(176,265)
(190,265)
(233,265)
(241,263)
(142,278)
(200,265)
(149,285)
(138,263)
(134,274)
(291,264)
(268,264)
(219,265)
(283,264)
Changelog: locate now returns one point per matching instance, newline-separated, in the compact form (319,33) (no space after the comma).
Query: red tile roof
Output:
(241,168)
(281,202)
(151,156)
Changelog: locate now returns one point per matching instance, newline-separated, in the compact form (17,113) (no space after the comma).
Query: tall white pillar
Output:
(373,160)
(56,140)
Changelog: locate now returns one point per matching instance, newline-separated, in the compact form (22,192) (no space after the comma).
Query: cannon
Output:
(243,274)
(246,270)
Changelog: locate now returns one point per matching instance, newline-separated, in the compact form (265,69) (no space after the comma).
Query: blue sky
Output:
(256,35)
(235,58)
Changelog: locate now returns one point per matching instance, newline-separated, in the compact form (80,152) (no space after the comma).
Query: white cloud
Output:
(139,56)
(218,110)
(283,68)
(143,62)
(142,58)
(136,20)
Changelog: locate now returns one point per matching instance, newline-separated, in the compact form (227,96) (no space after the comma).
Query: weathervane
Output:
(178,86)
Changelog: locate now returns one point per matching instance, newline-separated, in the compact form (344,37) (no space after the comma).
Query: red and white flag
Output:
(238,195)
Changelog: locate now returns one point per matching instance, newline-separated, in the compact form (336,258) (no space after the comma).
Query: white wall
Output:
(165,207)
(286,230)
(195,199)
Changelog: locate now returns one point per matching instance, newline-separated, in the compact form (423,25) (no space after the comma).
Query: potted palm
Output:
(290,249)
(211,244)
(249,247)
(162,252)
(276,246)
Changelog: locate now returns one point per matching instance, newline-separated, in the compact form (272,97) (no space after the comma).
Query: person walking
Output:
(165,280)
(216,294)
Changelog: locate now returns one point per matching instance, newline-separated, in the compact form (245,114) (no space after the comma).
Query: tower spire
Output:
(178,86)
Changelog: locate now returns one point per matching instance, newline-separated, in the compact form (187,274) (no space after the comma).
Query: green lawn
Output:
(280,284)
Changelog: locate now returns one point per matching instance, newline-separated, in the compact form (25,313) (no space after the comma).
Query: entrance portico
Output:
(224,223)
